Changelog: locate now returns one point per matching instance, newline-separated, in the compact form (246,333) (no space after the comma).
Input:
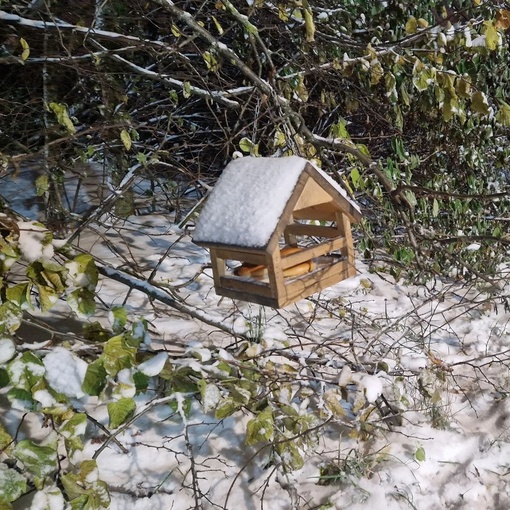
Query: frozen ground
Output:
(439,353)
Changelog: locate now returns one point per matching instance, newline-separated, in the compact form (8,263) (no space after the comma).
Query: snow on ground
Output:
(452,452)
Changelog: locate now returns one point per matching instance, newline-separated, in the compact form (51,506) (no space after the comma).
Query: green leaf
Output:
(423,76)
(60,110)
(83,272)
(19,294)
(479,103)
(41,185)
(226,407)
(246,145)
(260,428)
(21,396)
(41,461)
(12,486)
(82,302)
(73,430)
(126,139)
(210,395)
(118,318)
(503,115)
(118,354)
(95,378)
(25,371)
(435,208)
(186,89)
(419,455)
(84,490)
(10,317)
(119,412)
(210,61)
(4,380)
(5,439)
(355,177)
(289,453)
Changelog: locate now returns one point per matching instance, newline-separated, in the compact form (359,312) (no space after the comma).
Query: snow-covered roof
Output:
(248,200)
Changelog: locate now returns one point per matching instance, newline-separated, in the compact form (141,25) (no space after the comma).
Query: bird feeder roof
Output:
(248,201)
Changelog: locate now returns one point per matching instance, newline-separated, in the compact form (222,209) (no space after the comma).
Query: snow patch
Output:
(65,372)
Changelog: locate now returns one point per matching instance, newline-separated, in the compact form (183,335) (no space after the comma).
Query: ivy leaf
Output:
(120,411)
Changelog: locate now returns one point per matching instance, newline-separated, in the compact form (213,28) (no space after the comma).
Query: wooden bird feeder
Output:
(285,223)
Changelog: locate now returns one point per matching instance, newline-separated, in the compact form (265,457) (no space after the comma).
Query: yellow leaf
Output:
(479,103)
(491,35)
(26,49)
(423,23)
(126,139)
(60,110)
(176,31)
(503,115)
(309,23)
(219,28)
(411,25)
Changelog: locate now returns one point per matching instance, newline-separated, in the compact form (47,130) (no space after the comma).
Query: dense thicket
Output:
(403,102)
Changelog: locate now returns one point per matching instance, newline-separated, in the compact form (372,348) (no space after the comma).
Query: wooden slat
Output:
(244,285)
(344,227)
(301,229)
(218,266)
(244,256)
(287,212)
(313,252)
(252,298)
(323,212)
(320,279)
